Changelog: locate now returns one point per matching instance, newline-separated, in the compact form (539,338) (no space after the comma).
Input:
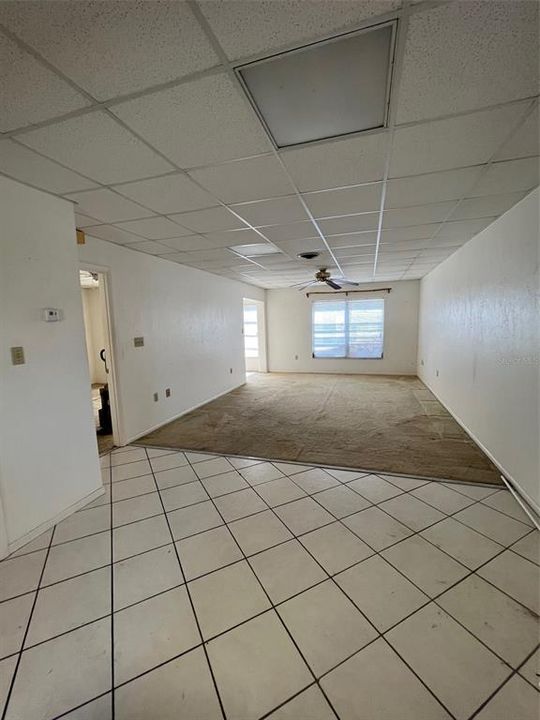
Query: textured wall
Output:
(479,340)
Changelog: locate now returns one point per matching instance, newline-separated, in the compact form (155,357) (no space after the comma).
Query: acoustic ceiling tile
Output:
(157,228)
(245,28)
(509,176)
(489,205)
(455,142)
(416,232)
(97,146)
(113,48)
(345,201)
(27,166)
(227,238)
(168,194)
(352,239)
(30,92)
(430,188)
(202,122)
(293,247)
(461,56)
(462,229)
(255,178)
(82,221)
(525,141)
(112,234)
(363,251)
(277,211)
(292,231)
(150,247)
(209,220)
(107,206)
(349,161)
(349,223)
(188,243)
(418,215)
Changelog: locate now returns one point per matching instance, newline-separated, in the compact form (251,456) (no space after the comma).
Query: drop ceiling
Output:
(162,151)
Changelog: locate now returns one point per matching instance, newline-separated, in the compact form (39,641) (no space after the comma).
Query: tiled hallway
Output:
(202,587)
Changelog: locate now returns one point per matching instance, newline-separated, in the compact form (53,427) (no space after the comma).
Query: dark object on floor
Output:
(104,413)
(374,422)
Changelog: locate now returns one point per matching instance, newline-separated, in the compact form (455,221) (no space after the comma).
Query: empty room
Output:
(270,360)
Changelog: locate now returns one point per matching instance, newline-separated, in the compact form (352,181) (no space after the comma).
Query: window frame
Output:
(347,301)
(254,323)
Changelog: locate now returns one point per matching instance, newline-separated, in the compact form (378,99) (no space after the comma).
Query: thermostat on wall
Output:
(52,314)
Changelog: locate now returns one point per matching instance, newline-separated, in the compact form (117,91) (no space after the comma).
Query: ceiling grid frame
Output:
(234,78)
(103,106)
(529,109)
(120,122)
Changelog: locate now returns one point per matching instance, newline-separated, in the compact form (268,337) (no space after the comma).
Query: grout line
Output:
(512,674)
(190,598)
(331,577)
(83,705)
(272,606)
(19,658)
(276,604)
(111,579)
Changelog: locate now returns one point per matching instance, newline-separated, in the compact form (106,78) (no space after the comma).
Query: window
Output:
(251,332)
(348,329)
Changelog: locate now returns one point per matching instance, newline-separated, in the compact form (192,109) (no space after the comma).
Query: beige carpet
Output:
(375,422)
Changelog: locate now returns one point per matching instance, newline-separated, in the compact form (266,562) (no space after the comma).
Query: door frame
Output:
(111,352)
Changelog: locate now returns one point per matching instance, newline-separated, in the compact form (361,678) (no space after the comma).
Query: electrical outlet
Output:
(437,373)
(156,397)
(167,392)
(138,342)
(230,370)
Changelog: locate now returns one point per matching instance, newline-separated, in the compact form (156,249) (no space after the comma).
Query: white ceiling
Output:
(133,110)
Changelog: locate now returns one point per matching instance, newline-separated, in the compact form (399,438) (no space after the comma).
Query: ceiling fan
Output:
(323,276)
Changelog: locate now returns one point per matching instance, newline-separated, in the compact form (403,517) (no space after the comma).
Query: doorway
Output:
(254,336)
(98,349)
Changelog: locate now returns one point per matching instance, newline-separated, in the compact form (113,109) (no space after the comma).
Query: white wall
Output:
(479,341)
(95,332)
(191,322)
(48,450)
(288,315)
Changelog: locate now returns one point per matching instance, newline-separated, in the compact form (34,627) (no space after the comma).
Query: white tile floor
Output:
(201,587)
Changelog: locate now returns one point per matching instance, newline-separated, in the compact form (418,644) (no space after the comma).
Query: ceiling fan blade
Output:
(333,284)
(301,286)
(343,281)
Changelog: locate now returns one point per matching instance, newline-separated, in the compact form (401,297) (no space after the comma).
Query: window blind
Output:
(348,329)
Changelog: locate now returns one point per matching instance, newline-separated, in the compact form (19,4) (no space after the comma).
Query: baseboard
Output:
(530,505)
(184,412)
(390,373)
(36,532)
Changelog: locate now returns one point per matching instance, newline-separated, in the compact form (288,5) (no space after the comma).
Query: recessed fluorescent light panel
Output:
(324,90)
(255,250)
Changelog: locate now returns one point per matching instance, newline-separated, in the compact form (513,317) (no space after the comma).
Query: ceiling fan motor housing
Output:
(322,275)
